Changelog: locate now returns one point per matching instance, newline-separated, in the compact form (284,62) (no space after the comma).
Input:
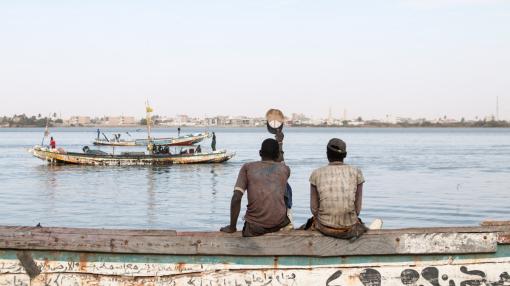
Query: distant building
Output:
(356,123)
(445,120)
(298,119)
(390,119)
(128,120)
(182,119)
(79,120)
(491,117)
(119,120)
(241,121)
(17,119)
(213,121)
(166,121)
(403,120)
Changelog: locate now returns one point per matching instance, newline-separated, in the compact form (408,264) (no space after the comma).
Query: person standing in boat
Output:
(213,142)
(178,131)
(265,182)
(53,143)
(335,195)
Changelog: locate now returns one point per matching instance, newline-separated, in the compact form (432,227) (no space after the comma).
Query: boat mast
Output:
(46,130)
(148,119)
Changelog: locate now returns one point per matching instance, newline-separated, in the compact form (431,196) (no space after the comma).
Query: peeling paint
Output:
(442,242)
(480,274)
(68,268)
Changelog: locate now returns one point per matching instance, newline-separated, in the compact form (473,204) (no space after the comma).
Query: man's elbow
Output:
(237,197)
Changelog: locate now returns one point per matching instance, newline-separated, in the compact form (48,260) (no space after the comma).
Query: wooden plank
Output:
(441,230)
(152,232)
(375,232)
(296,243)
(99,231)
(496,223)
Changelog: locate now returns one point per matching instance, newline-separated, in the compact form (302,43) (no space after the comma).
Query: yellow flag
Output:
(149,109)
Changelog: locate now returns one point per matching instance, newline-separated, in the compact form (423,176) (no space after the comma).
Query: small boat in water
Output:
(99,158)
(186,140)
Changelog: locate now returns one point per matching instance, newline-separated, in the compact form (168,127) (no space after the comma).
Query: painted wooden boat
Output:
(459,256)
(186,140)
(59,156)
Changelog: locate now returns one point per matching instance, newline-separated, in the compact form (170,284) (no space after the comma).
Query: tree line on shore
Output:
(425,124)
(23,120)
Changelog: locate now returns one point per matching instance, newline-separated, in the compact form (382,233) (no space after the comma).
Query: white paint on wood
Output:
(482,273)
(437,243)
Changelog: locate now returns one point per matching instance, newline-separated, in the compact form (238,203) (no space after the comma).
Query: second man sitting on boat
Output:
(265,182)
(336,195)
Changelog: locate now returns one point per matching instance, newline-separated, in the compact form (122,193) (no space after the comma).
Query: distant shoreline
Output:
(24,121)
(287,126)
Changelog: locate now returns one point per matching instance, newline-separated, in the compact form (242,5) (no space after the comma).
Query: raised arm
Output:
(279,137)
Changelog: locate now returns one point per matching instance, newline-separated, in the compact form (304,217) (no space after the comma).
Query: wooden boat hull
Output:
(55,157)
(438,257)
(178,141)
(69,268)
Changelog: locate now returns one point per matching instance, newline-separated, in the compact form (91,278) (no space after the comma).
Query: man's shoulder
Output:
(352,167)
(254,165)
(266,164)
(321,169)
(329,167)
(245,167)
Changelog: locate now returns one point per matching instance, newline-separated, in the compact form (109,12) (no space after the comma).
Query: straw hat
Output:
(275,120)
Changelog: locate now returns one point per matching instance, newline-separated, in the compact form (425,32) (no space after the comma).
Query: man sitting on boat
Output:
(336,195)
(265,182)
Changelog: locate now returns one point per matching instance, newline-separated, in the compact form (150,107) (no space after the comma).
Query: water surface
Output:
(414,177)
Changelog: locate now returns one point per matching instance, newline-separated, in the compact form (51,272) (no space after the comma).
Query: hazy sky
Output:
(419,58)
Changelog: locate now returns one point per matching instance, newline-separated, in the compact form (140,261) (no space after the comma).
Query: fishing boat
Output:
(447,256)
(186,140)
(159,152)
(99,158)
